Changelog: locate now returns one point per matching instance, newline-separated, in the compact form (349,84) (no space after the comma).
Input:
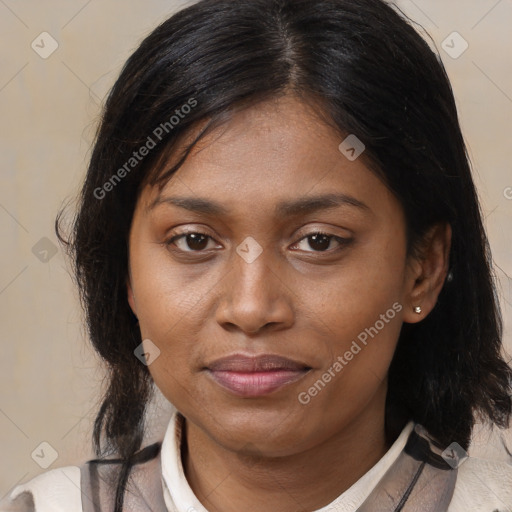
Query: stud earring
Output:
(417,309)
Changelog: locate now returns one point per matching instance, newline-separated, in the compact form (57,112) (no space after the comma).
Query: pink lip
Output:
(252,376)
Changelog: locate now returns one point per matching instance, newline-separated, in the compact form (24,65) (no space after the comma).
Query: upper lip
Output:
(255,363)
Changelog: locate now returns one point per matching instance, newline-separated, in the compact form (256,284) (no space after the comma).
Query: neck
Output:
(227,481)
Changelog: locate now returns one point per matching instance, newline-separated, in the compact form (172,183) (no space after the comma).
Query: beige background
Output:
(49,378)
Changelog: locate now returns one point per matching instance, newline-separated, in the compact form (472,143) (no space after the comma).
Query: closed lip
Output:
(252,376)
(255,363)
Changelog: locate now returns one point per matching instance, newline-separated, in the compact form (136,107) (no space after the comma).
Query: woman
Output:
(279,229)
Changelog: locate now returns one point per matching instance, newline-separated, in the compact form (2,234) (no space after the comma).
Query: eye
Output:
(196,242)
(320,242)
(191,242)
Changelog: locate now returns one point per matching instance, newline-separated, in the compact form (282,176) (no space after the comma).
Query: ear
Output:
(427,272)
(131,298)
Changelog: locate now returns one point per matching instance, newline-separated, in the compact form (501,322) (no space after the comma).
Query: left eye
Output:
(320,242)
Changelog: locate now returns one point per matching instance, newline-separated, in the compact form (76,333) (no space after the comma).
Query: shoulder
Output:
(57,490)
(62,489)
(483,485)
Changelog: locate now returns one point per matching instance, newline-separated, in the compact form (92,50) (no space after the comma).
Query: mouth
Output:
(254,376)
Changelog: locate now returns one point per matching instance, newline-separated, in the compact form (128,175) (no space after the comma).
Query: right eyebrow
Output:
(193,204)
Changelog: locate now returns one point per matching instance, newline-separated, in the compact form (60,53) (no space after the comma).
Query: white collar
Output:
(180,497)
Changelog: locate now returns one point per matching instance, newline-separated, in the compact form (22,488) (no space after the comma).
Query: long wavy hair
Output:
(371,74)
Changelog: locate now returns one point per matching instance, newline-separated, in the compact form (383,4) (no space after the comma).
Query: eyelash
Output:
(343,242)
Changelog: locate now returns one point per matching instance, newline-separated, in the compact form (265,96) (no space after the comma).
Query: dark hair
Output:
(372,75)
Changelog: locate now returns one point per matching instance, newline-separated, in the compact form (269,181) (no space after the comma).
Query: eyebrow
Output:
(301,206)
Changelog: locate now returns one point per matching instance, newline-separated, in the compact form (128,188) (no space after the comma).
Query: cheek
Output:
(358,324)
(172,307)
(364,286)
(168,294)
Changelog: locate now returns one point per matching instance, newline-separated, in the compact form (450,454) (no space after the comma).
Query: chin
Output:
(273,431)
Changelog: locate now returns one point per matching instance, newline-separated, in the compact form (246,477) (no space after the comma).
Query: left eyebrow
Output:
(312,204)
(301,206)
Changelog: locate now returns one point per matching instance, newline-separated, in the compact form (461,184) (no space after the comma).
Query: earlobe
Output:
(428,273)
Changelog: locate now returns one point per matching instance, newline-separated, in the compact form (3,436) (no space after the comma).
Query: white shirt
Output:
(482,485)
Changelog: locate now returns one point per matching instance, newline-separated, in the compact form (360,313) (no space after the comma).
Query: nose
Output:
(255,297)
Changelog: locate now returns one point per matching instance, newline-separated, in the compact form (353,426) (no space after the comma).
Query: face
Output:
(237,267)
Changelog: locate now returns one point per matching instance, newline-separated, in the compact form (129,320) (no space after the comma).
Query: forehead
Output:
(276,149)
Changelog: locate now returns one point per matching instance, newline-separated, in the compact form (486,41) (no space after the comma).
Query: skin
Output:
(297,299)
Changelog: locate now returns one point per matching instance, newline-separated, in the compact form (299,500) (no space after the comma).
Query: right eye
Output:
(190,241)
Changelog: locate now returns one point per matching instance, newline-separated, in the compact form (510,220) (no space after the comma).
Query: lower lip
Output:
(256,383)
